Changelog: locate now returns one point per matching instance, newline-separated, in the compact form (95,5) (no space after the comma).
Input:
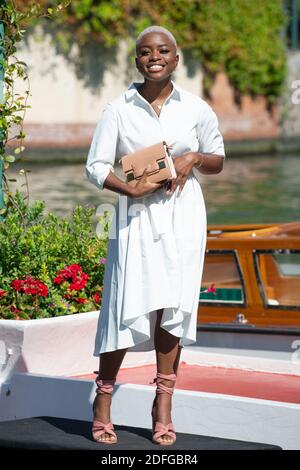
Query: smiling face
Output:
(156,56)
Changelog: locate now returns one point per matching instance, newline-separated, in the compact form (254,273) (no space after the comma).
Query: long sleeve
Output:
(209,136)
(102,153)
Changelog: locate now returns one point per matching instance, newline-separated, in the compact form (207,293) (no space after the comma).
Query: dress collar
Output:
(132,92)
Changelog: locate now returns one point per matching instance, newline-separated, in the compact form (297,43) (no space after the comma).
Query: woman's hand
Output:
(183,166)
(144,187)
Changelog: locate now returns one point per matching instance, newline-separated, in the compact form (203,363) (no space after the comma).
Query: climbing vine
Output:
(13,106)
(243,38)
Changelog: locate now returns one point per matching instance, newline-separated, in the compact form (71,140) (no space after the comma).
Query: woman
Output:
(155,260)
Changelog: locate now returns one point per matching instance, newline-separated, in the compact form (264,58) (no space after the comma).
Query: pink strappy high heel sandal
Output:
(159,429)
(99,428)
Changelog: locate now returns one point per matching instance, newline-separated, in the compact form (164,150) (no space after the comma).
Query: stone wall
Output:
(65,106)
(247,119)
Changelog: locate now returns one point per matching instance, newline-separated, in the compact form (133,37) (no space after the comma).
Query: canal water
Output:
(249,189)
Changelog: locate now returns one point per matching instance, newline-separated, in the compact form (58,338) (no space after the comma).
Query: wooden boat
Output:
(251,276)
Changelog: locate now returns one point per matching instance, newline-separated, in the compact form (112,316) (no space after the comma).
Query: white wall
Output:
(58,96)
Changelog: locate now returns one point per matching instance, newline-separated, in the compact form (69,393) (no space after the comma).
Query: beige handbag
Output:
(161,166)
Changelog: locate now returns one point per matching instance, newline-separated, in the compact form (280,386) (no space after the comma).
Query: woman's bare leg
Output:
(109,367)
(167,356)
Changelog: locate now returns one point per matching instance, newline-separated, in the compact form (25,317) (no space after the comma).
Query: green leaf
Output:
(9,158)
(19,149)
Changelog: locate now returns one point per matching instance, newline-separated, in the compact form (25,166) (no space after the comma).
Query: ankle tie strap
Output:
(104,385)
(161,388)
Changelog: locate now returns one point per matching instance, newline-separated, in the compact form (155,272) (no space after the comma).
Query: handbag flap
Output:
(139,160)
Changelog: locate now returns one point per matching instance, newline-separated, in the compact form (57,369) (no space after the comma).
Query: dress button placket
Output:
(155,210)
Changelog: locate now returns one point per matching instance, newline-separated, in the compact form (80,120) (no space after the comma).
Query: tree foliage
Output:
(240,37)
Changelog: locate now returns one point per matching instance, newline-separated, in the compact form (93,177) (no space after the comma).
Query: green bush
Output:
(40,246)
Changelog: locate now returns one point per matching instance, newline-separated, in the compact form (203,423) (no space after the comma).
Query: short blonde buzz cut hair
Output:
(155,29)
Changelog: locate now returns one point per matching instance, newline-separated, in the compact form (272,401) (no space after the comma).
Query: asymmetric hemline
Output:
(147,343)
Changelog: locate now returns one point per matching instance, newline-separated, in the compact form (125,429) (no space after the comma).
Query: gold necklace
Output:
(159,106)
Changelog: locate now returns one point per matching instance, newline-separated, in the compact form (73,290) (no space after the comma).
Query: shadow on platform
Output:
(66,434)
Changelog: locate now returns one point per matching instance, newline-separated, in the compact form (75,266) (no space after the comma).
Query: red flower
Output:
(74,274)
(14,309)
(30,286)
(2,292)
(212,289)
(16,284)
(58,280)
(79,283)
(75,268)
(80,300)
(97,298)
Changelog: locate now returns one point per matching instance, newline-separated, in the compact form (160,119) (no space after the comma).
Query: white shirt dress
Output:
(156,243)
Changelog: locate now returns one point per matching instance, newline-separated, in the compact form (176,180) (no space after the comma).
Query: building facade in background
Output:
(64,109)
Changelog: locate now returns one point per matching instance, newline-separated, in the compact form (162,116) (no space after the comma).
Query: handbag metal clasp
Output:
(161,164)
(130,175)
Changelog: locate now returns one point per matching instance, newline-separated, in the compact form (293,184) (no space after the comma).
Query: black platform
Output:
(66,434)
